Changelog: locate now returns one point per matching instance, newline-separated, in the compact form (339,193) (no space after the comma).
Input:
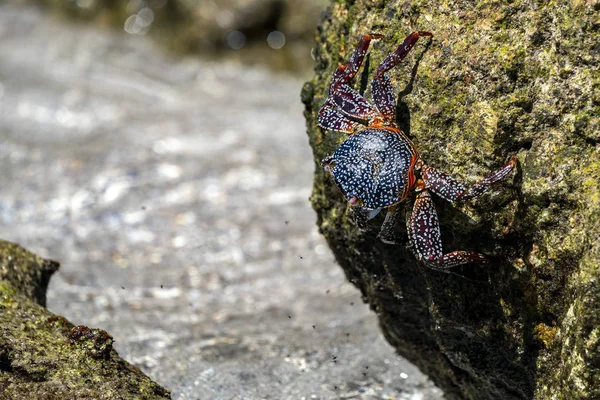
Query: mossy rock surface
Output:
(498,79)
(43,356)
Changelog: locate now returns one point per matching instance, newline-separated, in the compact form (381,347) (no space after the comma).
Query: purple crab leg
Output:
(332,119)
(384,97)
(397,56)
(345,72)
(349,102)
(383,92)
(452,190)
(425,239)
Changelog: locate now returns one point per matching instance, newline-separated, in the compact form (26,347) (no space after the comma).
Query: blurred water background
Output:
(253,28)
(164,164)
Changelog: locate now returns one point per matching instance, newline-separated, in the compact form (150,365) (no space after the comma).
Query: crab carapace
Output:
(378,166)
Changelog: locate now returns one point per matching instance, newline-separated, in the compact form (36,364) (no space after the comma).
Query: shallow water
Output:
(174,194)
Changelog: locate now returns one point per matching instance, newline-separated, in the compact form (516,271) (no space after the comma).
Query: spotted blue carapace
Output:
(373,165)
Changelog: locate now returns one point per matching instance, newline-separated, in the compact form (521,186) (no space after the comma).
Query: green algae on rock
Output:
(498,79)
(42,356)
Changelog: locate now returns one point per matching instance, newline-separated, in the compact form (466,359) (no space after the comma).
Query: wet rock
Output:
(497,80)
(42,357)
(31,282)
(96,342)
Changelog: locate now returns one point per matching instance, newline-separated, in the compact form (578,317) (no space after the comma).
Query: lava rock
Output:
(496,80)
(42,356)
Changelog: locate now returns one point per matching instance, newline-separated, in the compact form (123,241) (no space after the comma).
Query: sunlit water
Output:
(174,194)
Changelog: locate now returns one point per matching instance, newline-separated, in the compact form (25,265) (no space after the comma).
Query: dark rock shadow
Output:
(364,76)
(402,110)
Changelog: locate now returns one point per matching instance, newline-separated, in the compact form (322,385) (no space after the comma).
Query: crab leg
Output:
(349,102)
(383,93)
(397,56)
(389,229)
(452,190)
(330,118)
(384,97)
(345,72)
(425,239)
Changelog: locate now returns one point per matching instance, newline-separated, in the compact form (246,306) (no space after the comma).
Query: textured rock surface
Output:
(41,357)
(497,80)
(174,192)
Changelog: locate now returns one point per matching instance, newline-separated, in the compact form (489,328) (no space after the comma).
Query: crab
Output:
(377,166)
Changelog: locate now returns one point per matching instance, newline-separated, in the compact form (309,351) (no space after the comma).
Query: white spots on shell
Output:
(452,190)
(442,184)
(424,230)
(373,165)
(384,96)
(425,237)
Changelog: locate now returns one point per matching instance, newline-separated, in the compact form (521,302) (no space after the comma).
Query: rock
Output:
(42,356)
(497,80)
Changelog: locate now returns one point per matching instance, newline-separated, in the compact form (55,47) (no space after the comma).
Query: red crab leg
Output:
(345,72)
(425,239)
(384,97)
(349,101)
(333,120)
(383,92)
(452,190)
(353,104)
(393,59)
